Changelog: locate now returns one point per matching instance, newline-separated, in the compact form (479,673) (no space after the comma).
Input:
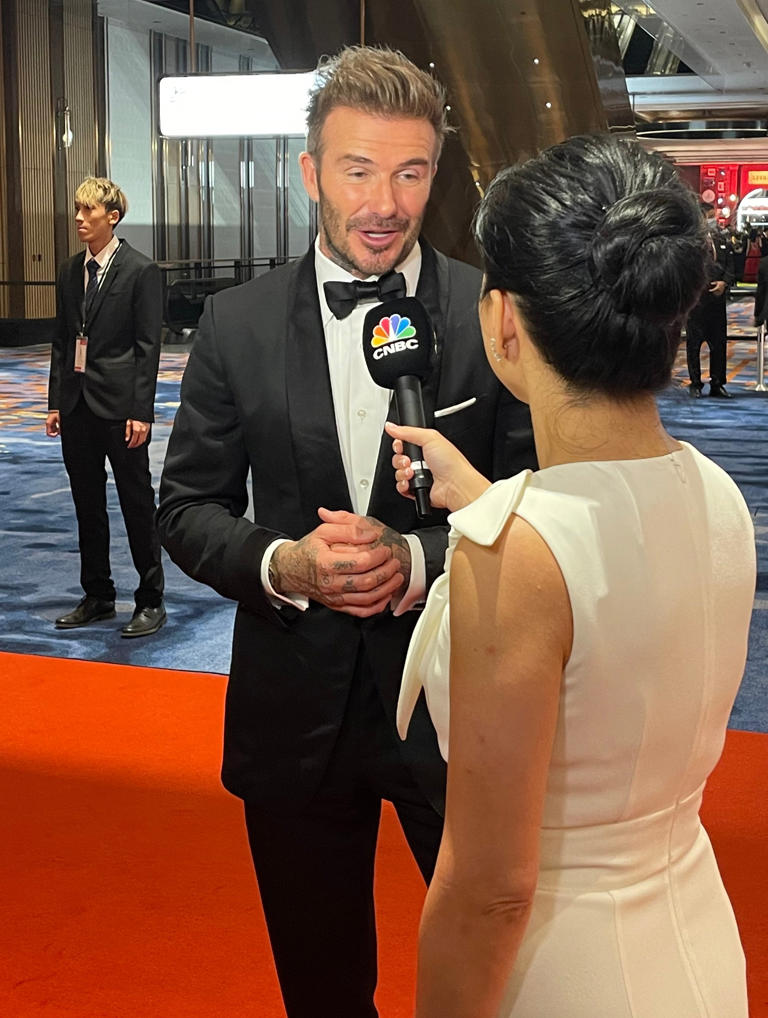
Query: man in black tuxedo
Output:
(101,394)
(276,385)
(708,321)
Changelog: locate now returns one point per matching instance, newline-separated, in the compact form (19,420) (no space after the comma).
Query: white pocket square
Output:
(447,411)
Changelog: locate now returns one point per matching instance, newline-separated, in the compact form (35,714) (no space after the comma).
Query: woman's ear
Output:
(510,326)
(492,313)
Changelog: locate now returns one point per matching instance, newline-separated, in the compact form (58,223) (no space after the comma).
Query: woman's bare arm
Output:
(511,632)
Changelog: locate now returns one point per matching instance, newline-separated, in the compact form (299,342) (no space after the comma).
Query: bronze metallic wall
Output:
(4,253)
(48,69)
(520,75)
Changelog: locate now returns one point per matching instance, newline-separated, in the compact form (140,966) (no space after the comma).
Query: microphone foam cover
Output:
(397,340)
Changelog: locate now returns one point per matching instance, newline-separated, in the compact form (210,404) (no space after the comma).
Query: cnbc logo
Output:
(393,335)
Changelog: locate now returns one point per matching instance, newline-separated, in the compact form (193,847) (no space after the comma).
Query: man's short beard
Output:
(341,258)
(330,223)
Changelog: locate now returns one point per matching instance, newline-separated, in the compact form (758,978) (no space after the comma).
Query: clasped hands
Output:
(353,564)
(356,564)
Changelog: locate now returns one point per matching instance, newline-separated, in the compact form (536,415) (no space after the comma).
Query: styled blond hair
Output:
(100,191)
(377,80)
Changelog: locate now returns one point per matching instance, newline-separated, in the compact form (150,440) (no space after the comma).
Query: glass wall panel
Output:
(196,201)
(262,172)
(225,198)
(129,128)
(225,173)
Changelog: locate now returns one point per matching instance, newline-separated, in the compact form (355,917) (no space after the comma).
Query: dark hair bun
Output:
(642,254)
(603,247)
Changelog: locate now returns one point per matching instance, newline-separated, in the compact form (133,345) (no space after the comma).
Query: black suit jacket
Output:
(256,397)
(761,295)
(124,330)
(722,266)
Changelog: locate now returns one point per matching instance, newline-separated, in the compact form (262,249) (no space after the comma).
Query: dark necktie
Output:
(343,298)
(93,283)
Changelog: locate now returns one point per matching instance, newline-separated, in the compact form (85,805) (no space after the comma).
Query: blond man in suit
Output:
(104,362)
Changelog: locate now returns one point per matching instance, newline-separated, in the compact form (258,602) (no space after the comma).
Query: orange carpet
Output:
(125,879)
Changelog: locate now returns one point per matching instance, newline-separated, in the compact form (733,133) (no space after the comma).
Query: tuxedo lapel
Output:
(432,291)
(310,400)
(76,292)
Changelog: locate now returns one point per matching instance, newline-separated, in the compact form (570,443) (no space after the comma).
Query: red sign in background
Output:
(752,177)
(719,185)
(725,184)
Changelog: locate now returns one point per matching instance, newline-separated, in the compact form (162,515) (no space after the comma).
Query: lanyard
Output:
(100,278)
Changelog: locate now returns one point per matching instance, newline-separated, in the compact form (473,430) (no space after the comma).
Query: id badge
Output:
(81,351)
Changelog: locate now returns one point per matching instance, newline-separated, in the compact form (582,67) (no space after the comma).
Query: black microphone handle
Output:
(410,411)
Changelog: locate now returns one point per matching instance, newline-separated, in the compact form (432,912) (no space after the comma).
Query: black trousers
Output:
(315,869)
(708,325)
(87,441)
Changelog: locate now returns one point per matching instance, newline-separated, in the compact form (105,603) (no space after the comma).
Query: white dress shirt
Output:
(103,259)
(360,407)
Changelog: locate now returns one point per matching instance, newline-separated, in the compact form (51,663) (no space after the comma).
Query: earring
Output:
(494,352)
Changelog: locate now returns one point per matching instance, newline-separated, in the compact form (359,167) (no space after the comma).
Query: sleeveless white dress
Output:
(630,918)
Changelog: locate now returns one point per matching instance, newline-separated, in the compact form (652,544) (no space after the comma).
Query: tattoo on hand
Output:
(391,539)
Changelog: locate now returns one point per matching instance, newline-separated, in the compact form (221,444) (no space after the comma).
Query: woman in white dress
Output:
(592,619)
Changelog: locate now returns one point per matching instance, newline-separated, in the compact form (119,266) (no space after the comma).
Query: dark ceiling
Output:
(296,31)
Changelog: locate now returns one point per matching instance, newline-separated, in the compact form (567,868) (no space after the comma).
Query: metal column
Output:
(761,337)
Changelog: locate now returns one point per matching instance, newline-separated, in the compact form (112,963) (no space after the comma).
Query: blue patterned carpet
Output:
(39,569)
(39,565)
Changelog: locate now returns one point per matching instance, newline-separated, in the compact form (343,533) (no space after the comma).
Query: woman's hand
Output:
(456,483)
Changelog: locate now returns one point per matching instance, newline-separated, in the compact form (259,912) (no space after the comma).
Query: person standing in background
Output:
(101,394)
(277,386)
(708,321)
(761,294)
(738,239)
(757,248)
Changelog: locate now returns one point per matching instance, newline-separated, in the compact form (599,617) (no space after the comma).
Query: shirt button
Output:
(362,414)
(364,483)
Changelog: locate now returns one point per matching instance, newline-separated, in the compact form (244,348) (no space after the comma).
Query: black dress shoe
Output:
(694,391)
(720,392)
(145,621)
(90,609)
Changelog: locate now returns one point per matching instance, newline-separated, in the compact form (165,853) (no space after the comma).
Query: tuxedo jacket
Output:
(123,328)
(256,398)
(722,266)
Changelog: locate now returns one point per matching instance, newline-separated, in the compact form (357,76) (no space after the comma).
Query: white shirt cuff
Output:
(300,601)
(415,593)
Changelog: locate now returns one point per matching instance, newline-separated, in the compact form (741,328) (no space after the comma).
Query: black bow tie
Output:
(343,298)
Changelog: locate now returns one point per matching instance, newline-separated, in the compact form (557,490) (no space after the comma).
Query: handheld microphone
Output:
(397,339)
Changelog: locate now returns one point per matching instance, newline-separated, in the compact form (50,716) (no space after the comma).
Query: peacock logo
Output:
(392,329)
